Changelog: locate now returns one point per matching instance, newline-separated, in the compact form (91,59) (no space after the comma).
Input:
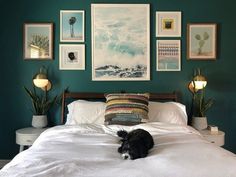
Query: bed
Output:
(85,149)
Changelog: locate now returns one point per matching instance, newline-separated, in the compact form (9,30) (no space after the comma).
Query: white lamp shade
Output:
(199,84)
(40,82)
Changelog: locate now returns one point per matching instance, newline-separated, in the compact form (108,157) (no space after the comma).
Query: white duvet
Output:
(91,151)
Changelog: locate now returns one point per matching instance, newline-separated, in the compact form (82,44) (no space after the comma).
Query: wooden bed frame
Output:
(100,96)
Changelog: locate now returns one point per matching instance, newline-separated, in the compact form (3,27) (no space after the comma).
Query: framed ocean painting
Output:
(201,41)
(72,26)
(168,55)
(120,42)
(38,41)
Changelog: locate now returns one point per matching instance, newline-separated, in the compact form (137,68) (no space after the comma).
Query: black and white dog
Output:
(135,144)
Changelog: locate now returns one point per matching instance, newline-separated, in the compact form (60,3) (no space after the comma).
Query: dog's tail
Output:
(122,133)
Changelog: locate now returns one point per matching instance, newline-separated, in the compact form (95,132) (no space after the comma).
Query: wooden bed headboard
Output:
(100,96)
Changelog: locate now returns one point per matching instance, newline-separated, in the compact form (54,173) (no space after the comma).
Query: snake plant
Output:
(200,104)
(40,102)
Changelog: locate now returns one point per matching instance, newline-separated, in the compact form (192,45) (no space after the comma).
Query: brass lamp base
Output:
(48,87)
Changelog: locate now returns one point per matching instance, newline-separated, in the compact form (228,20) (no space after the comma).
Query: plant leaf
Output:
(201,106)
(198,37)
(205,36)
(201,43)
(40,103)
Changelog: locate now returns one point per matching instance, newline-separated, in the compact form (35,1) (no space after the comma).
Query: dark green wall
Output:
(15,72)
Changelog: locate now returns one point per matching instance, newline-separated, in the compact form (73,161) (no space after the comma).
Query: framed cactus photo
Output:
(201,41)
(72,26)
(38,41)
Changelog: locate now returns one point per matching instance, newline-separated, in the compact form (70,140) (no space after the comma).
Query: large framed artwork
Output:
(38,41)
(72,57)
(168,24)
(201,41)
(120,42)
(72,25)
(168,55)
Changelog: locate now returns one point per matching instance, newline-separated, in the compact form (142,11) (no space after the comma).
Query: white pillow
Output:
(82,112)
(169,112)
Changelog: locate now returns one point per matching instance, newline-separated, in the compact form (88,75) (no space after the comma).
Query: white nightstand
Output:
(217,138)
(27,136)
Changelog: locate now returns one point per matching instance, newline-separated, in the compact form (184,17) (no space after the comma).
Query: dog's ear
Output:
(122,133)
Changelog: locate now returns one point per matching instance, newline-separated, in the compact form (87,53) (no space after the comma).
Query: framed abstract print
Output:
(168,55)
(201,41)
(120,43)
(168,24)
(72,26)
(72,57)
(38,41)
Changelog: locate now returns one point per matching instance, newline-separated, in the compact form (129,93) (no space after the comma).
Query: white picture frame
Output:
(72,25)
(168,55)
(72,57)
(168,24)
(120,43)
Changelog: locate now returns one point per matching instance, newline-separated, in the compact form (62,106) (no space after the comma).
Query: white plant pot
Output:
(39,121)
(199,123)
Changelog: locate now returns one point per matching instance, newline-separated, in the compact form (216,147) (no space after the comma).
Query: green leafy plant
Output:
(200,104)
(40,102)
(40,41)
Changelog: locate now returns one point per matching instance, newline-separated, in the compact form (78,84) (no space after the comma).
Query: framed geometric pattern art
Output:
(168,55)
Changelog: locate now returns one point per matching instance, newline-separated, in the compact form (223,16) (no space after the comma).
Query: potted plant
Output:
(40,106)
(200,105)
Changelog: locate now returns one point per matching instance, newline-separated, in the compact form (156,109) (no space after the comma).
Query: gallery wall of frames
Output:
(120,41)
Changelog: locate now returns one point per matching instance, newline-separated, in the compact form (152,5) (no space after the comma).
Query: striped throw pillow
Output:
(126,109)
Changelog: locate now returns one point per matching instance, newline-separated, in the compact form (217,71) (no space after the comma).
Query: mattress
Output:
(90,150)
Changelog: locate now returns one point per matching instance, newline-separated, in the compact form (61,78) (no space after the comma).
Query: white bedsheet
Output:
(91,151)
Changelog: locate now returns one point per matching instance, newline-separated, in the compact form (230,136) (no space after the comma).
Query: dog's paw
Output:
(122,133)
